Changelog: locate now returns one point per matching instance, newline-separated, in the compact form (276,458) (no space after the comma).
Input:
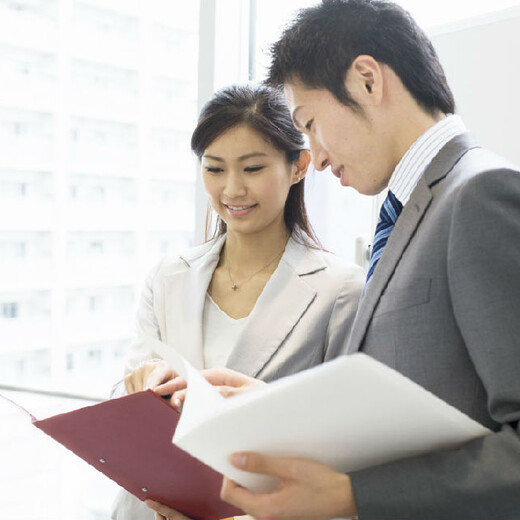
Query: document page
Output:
(350,413)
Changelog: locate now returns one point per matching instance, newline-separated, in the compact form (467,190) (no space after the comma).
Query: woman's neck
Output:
(246,253)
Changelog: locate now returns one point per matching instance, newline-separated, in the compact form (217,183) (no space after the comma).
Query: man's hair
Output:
(320,45)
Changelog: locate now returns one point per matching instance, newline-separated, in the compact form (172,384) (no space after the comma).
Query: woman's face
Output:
(247,180)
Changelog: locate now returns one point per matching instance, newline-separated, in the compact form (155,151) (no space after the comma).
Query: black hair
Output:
(320,45)
(264,110)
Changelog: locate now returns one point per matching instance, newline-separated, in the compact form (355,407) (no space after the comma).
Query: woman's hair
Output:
(264,110)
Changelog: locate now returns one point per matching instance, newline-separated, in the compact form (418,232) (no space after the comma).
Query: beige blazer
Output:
(302,318)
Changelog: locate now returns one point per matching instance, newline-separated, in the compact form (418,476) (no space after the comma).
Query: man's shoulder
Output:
(476,167)
(480,160)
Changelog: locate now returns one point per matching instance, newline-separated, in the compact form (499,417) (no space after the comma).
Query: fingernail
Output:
(177,402)
(239,460)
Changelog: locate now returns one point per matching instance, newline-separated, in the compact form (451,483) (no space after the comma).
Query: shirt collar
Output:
(418,157)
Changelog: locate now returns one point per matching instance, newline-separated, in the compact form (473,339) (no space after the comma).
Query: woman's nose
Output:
(235,186)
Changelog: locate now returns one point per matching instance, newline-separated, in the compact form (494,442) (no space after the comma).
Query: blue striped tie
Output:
(390,211)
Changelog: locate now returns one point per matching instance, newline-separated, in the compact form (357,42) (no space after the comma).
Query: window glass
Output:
(97,181)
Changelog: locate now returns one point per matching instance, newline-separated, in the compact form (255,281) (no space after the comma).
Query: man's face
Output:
(354,144)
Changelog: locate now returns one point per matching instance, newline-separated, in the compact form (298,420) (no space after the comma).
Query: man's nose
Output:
(320,158)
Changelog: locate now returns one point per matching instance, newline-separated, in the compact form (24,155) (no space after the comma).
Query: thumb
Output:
(285,468)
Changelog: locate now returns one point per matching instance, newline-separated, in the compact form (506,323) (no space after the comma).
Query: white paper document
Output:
(350,413)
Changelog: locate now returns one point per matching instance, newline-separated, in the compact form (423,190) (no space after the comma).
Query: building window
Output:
(9,310)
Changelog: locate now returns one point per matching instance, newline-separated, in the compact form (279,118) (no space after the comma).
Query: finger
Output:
(282,468)
(158,516)
(178,399)
(230,391)
(159,375)
(172,386)
(165,511)
(129,384)
(225,377)
(240,497)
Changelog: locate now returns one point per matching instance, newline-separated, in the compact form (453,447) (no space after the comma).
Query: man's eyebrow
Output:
(293,115)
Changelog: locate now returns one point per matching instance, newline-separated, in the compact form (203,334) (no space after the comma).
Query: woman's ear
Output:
(300,167)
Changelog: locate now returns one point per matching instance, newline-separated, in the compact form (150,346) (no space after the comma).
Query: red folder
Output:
(129,439)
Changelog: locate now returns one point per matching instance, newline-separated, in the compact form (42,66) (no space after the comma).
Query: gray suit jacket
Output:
(443,308)
(301,319)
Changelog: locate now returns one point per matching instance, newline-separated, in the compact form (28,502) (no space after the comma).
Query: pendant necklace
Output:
(235,286)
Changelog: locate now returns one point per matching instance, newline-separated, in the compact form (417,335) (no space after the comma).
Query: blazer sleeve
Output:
(147,326)
(481,479)
(343,313)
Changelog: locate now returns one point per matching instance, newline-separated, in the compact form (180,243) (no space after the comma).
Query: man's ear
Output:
(364,80)
(301,166)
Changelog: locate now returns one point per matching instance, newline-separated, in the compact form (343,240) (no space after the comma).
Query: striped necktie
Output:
(390,211)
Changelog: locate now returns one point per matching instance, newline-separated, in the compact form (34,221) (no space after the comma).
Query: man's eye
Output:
(213,169)
(308,126)
(252,169)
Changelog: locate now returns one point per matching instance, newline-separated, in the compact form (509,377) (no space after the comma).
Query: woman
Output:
(260,297)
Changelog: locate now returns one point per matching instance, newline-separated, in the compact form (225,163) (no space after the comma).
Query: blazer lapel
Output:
(184,294)
(403,232)
(283,301)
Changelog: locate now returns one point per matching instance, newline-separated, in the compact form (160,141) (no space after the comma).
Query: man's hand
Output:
(228,382)
(306,490)
(149,374)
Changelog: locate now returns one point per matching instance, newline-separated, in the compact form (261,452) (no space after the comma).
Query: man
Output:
(442,302)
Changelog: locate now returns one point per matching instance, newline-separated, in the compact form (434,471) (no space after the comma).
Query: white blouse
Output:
(220,334)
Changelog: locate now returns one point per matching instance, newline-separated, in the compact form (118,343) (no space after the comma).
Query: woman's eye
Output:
(252,169)
(308,126)
(213,169)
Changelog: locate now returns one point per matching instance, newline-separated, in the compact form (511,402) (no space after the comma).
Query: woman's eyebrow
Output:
(214,158)
(241,158)
(252,154)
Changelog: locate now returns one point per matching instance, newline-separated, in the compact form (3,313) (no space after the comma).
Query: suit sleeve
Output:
(343,313)
(481,479)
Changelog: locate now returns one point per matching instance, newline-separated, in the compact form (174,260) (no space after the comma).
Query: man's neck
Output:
(411,127)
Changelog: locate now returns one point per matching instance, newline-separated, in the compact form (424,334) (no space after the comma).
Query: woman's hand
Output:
(163,512)
(228,382)
(149,374)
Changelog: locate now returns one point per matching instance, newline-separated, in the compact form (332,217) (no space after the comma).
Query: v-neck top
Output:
(220,333)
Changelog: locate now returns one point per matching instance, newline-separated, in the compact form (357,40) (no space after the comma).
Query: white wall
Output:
(481,57)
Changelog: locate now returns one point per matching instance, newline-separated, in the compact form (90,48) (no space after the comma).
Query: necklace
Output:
(235,286)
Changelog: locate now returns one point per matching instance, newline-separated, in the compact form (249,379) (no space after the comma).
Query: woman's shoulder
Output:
(337,268)
(182,260)
(307,257)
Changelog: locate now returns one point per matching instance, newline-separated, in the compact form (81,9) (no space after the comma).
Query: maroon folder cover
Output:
(129,439)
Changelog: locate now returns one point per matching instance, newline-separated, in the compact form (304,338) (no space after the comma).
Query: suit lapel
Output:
(284,300)
(403,232)
(184,294)
(399,238)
